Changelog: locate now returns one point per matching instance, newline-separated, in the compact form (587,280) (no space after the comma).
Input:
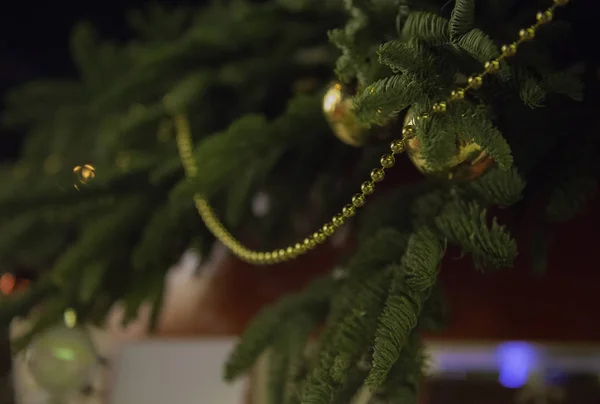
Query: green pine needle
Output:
(427,27)
(462,18)
(466,224)
(500,187)
(262,331)
(407,293)
(385,98)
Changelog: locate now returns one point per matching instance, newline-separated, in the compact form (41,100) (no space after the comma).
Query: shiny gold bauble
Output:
(469,161)
(337,107)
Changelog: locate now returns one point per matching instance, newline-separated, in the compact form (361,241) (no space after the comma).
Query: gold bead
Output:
(338,220)
(457,94)
(319,237)
(387,160)
(509,50)
(492,66)
(377,174)
(408,130)
(299,249)
(527,34)
(397,146)
(423,116)
(290,252)
(439,107)
(544,16)
(348,211)
(561,2)
(358,200)
(268,256)
(309,243)
(367,187)
(475,81)
(328,229)
(281,253)
(260,256)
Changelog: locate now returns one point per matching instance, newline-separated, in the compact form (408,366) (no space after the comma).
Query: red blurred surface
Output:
(516,303)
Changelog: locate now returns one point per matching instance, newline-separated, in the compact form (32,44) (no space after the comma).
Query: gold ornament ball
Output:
(468,163)
(85,173)
(61,360)
(337,107)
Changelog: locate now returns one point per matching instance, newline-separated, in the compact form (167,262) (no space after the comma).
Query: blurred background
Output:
(511,338)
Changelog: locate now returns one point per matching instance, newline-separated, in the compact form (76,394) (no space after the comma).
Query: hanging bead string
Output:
(397,146)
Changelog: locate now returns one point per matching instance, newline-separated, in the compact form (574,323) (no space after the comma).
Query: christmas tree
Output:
(161,144)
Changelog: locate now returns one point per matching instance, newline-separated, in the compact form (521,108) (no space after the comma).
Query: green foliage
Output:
(311,302)
(462,18)
(351,335)
(475,125)
(427,27)
(411,283)
(499,187)
(406,57)
(478,45)
(386,98)
(232,68)
(404,379)
(466,224)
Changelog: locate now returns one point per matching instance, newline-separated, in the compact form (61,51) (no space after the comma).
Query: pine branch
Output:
(475,125)
(403,57)
(408,292)
(462,18)
(385,98)
(262,331)
(296,346)
(100,236)
(480,47)
(465,224)
(437,140)
(92,282)
(166,223)
(349,337)
(403,381)
(532,94)
(427,27)
(355,330)
(499,187)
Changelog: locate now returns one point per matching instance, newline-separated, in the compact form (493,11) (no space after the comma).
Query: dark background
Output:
(34,42)
(34,39)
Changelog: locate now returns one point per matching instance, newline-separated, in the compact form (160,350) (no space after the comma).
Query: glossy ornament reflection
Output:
(337,107)
(468,163)
(61,360)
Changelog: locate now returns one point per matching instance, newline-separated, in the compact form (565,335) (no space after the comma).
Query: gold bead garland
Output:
(397,146)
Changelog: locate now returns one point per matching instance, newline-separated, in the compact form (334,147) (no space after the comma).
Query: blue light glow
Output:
(515,362)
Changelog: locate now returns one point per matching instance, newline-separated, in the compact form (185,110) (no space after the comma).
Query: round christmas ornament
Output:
(468,163)
(337,107)
(61,360)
